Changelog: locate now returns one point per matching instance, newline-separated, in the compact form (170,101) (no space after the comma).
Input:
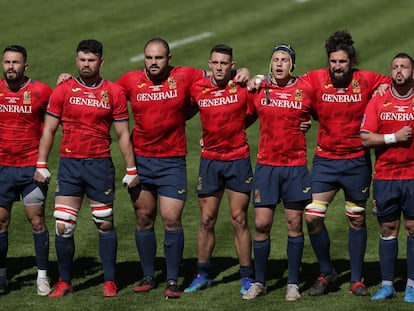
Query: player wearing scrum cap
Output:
(281,103)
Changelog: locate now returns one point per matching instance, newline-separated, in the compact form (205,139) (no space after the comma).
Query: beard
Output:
(341,81)
(13,79)
(402,83)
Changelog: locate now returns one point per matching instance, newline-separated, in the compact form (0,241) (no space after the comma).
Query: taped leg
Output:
(66,217)
(102,215)
(316,208)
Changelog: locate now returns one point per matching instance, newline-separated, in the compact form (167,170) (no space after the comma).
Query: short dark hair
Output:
(90,46)
(223,49)
(341,41)
(404,55)
(159,40)
(17,49)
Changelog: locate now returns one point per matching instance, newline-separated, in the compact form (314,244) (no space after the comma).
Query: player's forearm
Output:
(45,145)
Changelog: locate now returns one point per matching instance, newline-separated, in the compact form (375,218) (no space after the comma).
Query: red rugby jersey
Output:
(21,122)
(86,115)
(385,115)
(223,119)
(281,142)
(159,110)
(339,111)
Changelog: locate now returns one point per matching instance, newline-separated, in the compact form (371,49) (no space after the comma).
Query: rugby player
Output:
(387,127)
(224,165)
(23,102)
(86,107)
(340,162)
(281,103)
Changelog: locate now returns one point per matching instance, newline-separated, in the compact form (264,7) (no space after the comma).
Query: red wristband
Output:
(41,165)
(131,170)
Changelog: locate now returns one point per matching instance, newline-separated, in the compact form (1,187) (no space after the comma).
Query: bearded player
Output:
(86,107)
(387,127)
(342,93)
(23,102)
(224,165)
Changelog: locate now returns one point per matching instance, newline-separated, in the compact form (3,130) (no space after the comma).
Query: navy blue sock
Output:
(108,243)
(65,250)
(246,272)
(410,257)
(4,247)
(388,252)
(294,255)
(261,254)
(357,242)
(147,247)
(321,245)
(41,245)
(204,268)
(173,251)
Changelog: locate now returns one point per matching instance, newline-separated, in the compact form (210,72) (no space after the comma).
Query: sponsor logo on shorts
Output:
(108,192)
(257,196)
(249,180)
(181,191)
(306,190)
(365,190)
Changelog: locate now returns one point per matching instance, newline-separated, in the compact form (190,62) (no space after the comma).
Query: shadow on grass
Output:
(129,272)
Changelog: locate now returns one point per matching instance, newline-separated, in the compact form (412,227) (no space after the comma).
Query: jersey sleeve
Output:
(369,120)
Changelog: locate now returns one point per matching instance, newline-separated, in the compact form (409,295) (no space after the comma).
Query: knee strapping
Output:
(316,208)
(102,213)
(353,210)
(36,197)
(66,216)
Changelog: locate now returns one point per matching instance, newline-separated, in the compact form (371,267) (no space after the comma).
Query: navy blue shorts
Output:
(352,175)
(91,177)
(215,175)
(165,176)
(273,183)
(16,182)
(391,197)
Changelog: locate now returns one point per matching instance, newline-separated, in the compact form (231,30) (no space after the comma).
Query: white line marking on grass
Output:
(174,44)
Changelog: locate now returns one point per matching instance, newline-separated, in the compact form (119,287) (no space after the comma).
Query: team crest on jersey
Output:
(355,87)
(232,87)
(298,95)
(171,83)
(199,183)
(27,98)
(257,196)
(104,96)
